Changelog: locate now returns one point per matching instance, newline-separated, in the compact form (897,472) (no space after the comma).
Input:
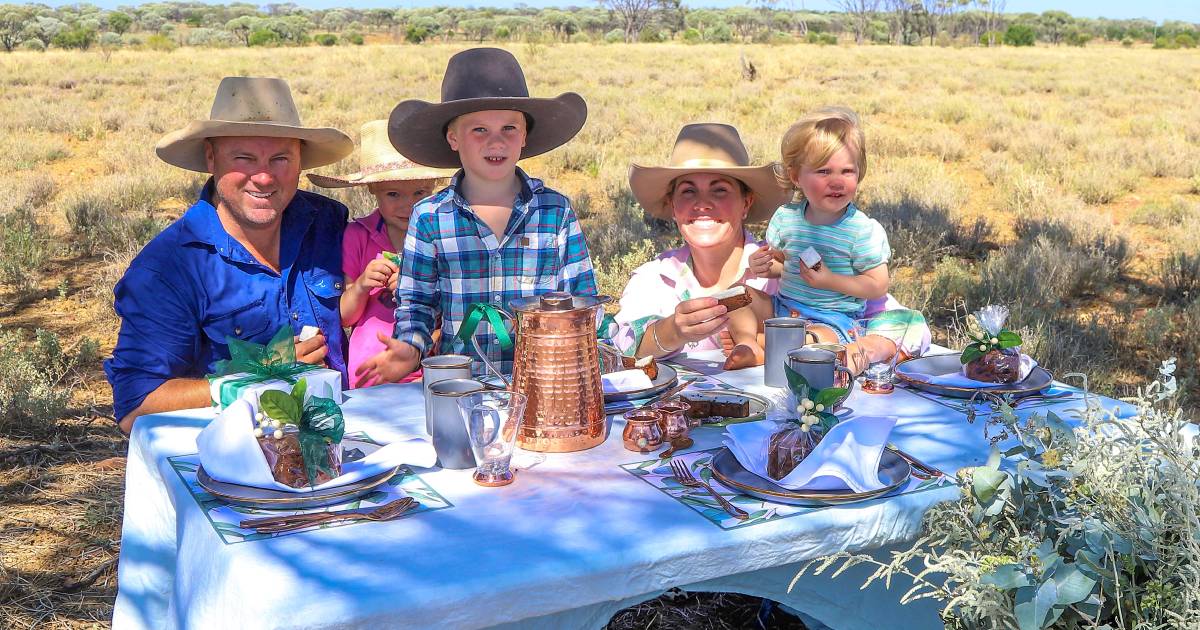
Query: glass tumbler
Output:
(493,419)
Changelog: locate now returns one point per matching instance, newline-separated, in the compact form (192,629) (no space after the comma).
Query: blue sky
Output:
(1157,10)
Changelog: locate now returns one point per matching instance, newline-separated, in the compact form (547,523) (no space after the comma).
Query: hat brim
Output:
(650,183)
(320,146)
(417,129)
(395,175)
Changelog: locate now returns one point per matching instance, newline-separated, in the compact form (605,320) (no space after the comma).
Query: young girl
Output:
(832,257)
(368,302)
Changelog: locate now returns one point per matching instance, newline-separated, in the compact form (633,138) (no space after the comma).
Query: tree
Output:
(634,14)
(993,9)
(1019,35)
(243,26)
(119,22)
(478,28)
(1055,23)
(861,12)
(12,23)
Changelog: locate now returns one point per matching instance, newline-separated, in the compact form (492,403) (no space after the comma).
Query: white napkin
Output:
(229,452)
(625,381)
(959,378)
(847,457)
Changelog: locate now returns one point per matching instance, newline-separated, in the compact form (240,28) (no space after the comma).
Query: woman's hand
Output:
(697,319)
(379,273)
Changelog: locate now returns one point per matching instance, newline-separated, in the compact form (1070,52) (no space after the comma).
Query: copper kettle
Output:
(556,364)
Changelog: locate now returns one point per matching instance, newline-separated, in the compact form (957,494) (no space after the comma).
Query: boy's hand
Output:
(819,278)
(379,273)
(398,360)
(312,350)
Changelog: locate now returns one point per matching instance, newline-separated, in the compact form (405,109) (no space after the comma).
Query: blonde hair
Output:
(813,140)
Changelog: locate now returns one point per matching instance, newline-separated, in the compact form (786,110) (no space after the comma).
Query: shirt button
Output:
(295,315)
(337,285)
(497,298)
(237,330)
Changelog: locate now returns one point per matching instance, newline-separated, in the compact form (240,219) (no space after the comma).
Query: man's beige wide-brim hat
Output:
(708,148)
(476,80)
(379,162)
(253,107)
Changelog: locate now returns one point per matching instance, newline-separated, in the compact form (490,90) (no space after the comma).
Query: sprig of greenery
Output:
(822,401)
(319,420)
(981,344)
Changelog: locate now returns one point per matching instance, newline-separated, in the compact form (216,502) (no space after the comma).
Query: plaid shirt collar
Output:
(451,199)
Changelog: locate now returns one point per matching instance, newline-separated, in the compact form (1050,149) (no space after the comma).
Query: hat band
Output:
(707,163)
(386,166)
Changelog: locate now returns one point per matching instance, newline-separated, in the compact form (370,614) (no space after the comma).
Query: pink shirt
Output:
(365,240)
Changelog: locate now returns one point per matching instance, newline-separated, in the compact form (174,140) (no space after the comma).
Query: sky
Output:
(1157,10)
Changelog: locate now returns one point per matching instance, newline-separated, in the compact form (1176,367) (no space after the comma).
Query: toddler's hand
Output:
(761,261)
(819,278)
(379,273)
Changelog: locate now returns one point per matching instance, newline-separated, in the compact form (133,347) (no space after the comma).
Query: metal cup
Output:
(841,379)
(819,367)
(447,426)
(784,334)
(441,368)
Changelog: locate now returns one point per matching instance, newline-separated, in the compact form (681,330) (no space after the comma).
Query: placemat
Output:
(657,472)
(224,517)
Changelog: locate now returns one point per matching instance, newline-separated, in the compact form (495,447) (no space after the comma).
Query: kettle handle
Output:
(483,356)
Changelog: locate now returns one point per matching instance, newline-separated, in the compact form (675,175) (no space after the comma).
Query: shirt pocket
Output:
(246,322)
(323,284)
(540,263)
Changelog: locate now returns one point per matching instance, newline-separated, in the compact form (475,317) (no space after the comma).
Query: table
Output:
(572,541)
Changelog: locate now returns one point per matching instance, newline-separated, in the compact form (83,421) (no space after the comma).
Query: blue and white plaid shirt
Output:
(453,260)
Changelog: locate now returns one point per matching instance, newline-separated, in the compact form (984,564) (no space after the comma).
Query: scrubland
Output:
(1062,182)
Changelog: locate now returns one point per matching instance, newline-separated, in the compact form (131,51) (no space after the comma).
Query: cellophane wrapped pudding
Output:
(994,354)
(300,439)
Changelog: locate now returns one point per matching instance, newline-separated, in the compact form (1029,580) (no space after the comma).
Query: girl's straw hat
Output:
(379,162)
(708,148)
(256,107)
(476,80)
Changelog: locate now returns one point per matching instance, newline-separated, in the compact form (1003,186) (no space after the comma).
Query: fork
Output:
(687,479)
(299,521)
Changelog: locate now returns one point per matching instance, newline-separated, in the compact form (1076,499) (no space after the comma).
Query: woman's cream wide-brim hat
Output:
(379,161)
(708,148)
(253,107)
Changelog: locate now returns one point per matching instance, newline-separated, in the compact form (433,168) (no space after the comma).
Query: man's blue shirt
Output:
(194,286)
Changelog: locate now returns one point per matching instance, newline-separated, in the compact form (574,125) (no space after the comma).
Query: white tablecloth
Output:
(572,541)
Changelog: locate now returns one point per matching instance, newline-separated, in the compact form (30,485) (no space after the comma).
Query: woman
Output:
(710,190)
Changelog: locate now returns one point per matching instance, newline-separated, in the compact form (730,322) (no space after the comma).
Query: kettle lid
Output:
(558,301)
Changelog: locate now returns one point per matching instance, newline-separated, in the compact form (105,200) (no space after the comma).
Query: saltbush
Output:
(24,249)
(325,39)
(33,44)
(263,37)
(36,379)
(614,36)
(353,38)
(161,43)
(1181,277)
(1019,35)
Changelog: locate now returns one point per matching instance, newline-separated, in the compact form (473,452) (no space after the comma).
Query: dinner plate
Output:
(910,372)
(894,472)
(666,379)
(758,404)
(264,498)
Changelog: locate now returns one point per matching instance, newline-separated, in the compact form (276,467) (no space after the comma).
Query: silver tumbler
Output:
(447,427)
(784,334)
(440,368)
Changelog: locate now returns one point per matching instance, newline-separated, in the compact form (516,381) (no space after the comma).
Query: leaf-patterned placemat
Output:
(657,473)
(224,517)
(698,382)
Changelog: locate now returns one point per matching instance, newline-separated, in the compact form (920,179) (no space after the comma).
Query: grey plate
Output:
(281,500)
(911,371)
(758,404)
(893,472)
(667,378)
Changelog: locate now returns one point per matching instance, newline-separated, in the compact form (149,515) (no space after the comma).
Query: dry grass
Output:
(973,153)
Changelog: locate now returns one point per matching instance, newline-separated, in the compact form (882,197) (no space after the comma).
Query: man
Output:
(252,255)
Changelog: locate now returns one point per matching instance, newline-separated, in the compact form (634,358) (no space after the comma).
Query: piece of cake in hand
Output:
(646,364)
(733,298)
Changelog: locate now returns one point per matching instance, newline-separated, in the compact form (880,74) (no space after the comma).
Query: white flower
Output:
(275,424)
(258,432)
(992,318)
(995,340)
(804,428)
(259,416)
(982,347)
(278,434)
(808,404)
(820,407)
(800,409)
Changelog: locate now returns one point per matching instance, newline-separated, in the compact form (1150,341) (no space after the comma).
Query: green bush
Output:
(326,39)
(78,38)
(1077,38)
(1127,42)
(416,34)
(263,37)
(691,36)
(1165,43)
(650,35)
(24,249)
(614,36)
(33,44)
(991,38)
(1185,40)
(823,39)
(1019,35)
(161,43)
(353,38)
(1181,277)
(36,380)
(502,33)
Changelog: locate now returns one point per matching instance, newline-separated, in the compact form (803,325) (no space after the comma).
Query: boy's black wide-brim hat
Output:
(476,80)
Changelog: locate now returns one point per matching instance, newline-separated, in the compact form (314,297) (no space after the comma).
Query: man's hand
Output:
(379,273)
(398,360)
(312,351)
(763,262)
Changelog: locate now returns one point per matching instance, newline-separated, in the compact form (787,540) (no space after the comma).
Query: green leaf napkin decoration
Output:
(318,419)
(814,404)
(982,344)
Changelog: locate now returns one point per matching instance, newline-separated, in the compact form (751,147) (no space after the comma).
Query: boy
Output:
(492,235)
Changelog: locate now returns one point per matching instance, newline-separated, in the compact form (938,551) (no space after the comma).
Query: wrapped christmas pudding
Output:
(300,439)
(797,437)
(994,354)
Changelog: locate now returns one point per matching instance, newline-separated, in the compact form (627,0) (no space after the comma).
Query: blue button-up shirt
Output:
(453,260)
(194,286)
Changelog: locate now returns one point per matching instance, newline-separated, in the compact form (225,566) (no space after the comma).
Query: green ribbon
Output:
(475,314)
(258,363)
(607,328)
